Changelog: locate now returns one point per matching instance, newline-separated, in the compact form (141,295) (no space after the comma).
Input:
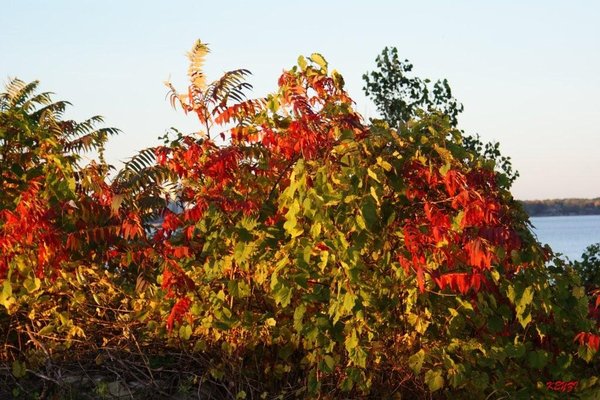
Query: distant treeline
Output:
(539,208)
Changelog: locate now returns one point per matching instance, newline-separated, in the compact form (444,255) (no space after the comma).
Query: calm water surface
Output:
(568,235)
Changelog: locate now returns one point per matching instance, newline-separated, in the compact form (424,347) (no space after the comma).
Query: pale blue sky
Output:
(528,73)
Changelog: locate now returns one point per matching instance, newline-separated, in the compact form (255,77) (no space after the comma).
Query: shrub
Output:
(310,249)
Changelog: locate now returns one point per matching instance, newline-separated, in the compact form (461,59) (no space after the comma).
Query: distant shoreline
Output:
(562,215)
(562,207)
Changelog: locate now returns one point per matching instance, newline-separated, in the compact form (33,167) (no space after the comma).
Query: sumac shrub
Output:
(358,252)
(359,257)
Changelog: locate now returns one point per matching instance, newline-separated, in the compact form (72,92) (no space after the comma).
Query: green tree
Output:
(400,97)
(589,266)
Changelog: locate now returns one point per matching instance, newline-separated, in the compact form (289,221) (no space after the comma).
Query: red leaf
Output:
(404,263)
(589,339)
(178,312)
(479,257)
(460,282)
(420,279)
(181,251)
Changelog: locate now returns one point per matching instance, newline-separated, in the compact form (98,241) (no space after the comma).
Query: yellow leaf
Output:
(372,174)
(318,59)
(31,285)
(374,195)
(196,57)
(384,164)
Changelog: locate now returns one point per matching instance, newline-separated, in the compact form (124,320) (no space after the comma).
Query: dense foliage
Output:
(319,253)
(400,97)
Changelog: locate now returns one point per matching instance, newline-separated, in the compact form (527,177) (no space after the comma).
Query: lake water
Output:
(569,235)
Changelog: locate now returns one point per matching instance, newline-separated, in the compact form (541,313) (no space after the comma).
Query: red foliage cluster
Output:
(29,229)
(228,174)
(178,312)
(459,223)
(589,339)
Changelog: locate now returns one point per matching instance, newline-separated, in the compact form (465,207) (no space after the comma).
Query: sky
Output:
(527,72)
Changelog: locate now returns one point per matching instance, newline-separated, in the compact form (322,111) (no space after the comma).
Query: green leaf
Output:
(19,369)
(495,324)
(564,361)
(324,259)
(418,322)
(349,300)
(46,330)
(298,316)
(327,364)
(445,168)
(290,225)
(359,357)
(586,353)
(516,350)
(351,341)
(185,332)
(525,299)
(283,295)
(457,221)
(444,153)
(31,285)
(578,292)
(6,298)
(369,212)
(315,230)
(587,383)
(313,384)
(238,289)
(465,304)
(360,221)
(415,362)
(537,359)
(434,380)
(347,384)
(510,293)
(243,251)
